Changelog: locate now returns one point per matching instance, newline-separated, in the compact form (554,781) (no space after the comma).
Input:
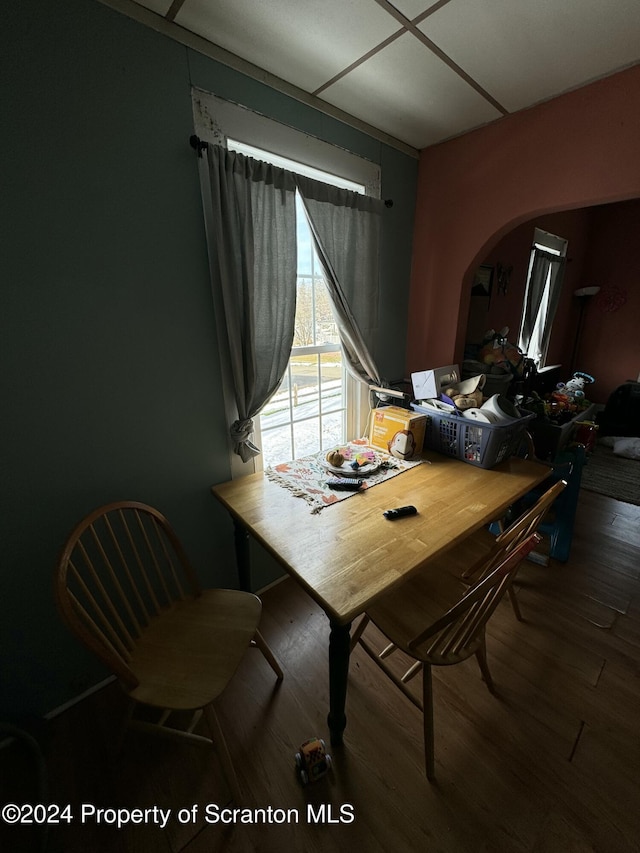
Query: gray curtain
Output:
(345,226)
(543,264)
(251,234)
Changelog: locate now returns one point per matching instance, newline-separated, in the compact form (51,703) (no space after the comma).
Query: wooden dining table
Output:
(348,555)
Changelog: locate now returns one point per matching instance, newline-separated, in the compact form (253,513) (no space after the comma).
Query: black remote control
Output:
(344,484)
(398,513)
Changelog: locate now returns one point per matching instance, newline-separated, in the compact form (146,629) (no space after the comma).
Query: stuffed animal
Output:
(574,388)
(498,354)
(472,400)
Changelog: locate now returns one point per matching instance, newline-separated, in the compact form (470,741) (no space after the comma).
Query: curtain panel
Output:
(346,232)
(251,234)
(546,266)
(555,288)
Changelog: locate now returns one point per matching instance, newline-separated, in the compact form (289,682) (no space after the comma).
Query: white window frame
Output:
(217,120)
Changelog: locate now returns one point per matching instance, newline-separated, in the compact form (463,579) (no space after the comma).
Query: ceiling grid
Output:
(417,71)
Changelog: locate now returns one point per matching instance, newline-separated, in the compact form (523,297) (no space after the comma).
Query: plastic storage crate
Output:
(484,445)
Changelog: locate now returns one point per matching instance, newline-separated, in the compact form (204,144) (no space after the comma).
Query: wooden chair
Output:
(125,588)
(455,617)
(476,555)
(489,549)
(558,525)
(559,522)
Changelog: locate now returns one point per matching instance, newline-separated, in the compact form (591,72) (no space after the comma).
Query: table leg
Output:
(339,643)
(241,538)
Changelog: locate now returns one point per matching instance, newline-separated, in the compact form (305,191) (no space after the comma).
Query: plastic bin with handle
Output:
(482,444)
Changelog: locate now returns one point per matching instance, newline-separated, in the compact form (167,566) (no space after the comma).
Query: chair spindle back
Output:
(517,532)
(121,567)
(455,635)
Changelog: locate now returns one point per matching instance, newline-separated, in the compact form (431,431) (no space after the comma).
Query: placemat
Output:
(307,477)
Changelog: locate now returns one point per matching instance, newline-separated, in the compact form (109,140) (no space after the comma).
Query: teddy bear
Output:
(471,400)
(499,355)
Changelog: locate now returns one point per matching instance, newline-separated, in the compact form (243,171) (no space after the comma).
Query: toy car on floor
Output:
(313,761)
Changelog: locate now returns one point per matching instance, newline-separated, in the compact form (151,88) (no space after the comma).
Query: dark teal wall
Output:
(110,375)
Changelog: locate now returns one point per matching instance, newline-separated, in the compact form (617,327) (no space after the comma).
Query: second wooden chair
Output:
(436,620)
(125,588)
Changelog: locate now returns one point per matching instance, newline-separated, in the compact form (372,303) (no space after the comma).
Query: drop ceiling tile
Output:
(523,52)
(406,91)
(306,43)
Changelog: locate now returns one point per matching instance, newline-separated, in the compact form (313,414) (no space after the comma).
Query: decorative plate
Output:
(367,459)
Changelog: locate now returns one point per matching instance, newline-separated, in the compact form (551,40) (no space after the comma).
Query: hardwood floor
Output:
(549,765)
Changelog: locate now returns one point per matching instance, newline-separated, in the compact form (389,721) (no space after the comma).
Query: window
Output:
(544,282)
(317,403)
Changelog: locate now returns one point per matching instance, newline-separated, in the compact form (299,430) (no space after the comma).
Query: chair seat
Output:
(461,559)
(186,657)
(421,600)
(428,594)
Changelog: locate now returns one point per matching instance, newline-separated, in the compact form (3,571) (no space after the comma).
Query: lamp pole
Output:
(583,294)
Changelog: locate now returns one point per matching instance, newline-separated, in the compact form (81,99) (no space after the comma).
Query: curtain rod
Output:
(199,145)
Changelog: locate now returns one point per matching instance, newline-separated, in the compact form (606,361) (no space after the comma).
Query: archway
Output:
(602,252)
(576,151)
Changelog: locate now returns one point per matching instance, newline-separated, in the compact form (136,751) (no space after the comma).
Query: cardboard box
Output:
(397,431)
(428,384)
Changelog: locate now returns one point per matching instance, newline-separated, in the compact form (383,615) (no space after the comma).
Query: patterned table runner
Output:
(307,477)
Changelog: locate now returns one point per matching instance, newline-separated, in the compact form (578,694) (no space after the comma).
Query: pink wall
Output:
(578,150)
(610,343)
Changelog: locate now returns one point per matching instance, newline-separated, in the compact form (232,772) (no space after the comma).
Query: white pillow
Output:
(627,447)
